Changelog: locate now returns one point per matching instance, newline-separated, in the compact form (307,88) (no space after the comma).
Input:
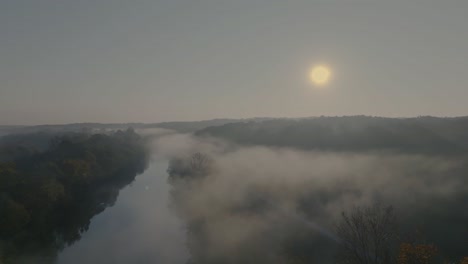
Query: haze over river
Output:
(139,228)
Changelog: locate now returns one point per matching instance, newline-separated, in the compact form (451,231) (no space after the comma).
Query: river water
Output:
(140,228)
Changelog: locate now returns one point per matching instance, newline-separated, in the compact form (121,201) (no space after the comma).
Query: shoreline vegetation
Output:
(50,192)
(259,190)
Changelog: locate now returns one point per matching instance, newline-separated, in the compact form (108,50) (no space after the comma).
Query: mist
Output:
(275,204)
(234,132)
(258,199)
(138,229)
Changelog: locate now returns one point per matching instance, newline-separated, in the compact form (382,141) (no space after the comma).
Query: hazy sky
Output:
(118,61)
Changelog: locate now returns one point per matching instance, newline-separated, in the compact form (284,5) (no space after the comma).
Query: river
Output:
(140,228)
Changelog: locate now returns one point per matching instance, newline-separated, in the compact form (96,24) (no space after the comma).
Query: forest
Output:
(426,134)
(52,184)
(354,189)
(234,132)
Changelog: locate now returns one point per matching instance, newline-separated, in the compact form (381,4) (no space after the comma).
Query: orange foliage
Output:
(464,260)
(416,254)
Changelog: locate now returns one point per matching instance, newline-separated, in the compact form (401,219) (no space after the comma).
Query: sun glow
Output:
(320,75)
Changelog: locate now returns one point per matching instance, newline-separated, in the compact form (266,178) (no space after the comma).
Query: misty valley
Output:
(234,132)
(353,189)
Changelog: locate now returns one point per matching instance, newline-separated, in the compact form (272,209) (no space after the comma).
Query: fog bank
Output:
(263,204)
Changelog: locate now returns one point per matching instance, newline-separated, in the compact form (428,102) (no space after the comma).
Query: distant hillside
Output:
(60,128)
(179,126)
(192,126)
(351,133)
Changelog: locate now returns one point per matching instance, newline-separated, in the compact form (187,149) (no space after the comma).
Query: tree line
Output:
(48,196)
(369,234)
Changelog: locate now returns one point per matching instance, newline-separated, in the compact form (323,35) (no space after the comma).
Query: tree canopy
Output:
(48,196)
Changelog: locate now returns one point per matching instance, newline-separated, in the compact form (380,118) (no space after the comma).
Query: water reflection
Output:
(139,228)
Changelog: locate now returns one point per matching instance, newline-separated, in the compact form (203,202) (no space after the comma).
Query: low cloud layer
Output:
(265,205)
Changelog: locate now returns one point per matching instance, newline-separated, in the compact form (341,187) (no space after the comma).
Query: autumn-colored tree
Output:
(464,260)
(76,168)
(8,177)
(52,190)
(417,253)
(13,216)
(54,193)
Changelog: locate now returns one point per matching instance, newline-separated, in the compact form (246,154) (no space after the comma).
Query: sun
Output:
(320,75)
